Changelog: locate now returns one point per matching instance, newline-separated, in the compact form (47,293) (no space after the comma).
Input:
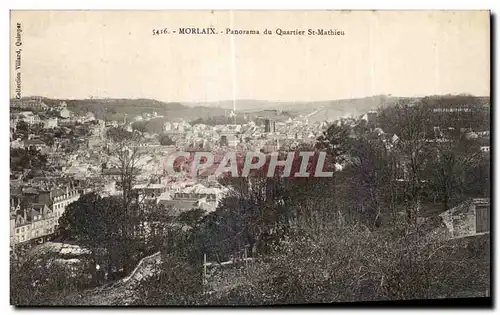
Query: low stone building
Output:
(469,218)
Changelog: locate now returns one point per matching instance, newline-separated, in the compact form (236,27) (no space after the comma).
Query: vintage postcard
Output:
(249,157)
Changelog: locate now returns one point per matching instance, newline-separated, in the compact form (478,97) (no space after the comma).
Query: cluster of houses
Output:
(35,211)
(184,195)
(34,111)
(268,137)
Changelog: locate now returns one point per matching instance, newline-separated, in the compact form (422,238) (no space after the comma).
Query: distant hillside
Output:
(331,110)
(118,109)
(241,105)
(318,110)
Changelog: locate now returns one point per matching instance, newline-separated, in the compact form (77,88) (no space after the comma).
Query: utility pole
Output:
(245,259)
(204,269)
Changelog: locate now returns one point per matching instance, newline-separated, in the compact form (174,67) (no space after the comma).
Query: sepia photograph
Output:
(249,158)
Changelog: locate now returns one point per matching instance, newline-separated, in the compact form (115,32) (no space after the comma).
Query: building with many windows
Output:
(35,103)
(35,222)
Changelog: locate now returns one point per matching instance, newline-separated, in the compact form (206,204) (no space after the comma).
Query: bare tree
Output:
(409,121)
(448,169)
(126,154)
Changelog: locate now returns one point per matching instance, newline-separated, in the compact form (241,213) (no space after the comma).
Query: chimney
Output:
(25,215)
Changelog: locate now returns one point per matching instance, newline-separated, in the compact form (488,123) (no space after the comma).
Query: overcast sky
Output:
(114,54)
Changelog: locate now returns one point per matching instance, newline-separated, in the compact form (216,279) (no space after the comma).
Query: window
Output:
(482,219)
(22,229)
(17,230)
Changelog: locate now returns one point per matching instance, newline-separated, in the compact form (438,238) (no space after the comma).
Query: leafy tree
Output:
(27,158)
(98,224)
(166,140)
(334,141)
(140,126)
(119,134)
(191,218)
(22,127)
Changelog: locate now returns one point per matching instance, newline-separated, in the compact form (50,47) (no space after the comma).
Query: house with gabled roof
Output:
(35,222)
